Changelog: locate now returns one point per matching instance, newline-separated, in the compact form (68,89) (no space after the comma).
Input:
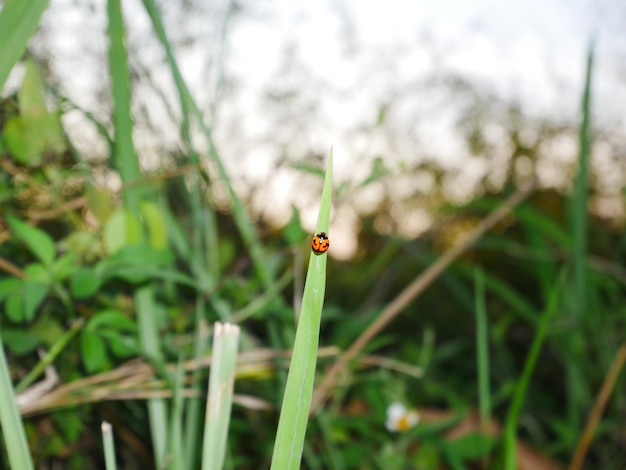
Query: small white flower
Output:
(400,419)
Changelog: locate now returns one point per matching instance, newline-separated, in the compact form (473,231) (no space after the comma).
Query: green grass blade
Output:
(205,239)
(220,399)
(510,427)
(299,389)
(125,156)
(128,166)
(109,447)
(176,454)
(482,346)
(579,209)
(578,391)
(18,22)
(57,348)
(150,345)
(10,422)
(244,224)
(194,407)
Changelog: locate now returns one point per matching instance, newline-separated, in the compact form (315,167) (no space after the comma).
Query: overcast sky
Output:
(345,58)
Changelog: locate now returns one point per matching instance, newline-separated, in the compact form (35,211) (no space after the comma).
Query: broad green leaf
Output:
(122,229)
(34,294)
(38,242)
(13,307)
(37,272)
(117,330)
(120,344)
(9,286)
(85,282)
(123,345)
(93,351)
(20,341)
(63,267)
(35,131)
(113,319)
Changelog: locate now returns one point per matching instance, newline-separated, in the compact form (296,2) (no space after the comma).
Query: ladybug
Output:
(320,243)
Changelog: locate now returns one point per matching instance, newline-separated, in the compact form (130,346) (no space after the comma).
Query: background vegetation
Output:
(503,346)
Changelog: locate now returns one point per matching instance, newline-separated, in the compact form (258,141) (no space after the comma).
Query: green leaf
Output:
(20,342)
(30,96)
(18,22)
(155,221)
(123,345)
(140,263)
(93,351)
(38,242)
(13,306)
(113,319)
(121,230)
(63,267)
(85,282)
(471,446)
(34,294)
(35,132)
(117,330)
(37,272)
(9,286)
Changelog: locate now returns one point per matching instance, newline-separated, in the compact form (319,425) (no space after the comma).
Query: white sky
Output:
(354,53)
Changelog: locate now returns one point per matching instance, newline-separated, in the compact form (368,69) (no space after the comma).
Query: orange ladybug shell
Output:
(320,243)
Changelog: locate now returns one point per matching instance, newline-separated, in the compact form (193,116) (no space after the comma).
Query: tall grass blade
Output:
(221,383)
(243,222)
(128,166)
(194,407)
(482,347)
(125,157)
(109,447)
(578,394)
(18,22)
(294,412)
(10,421)
(579,209)
(176,457)
(510,427)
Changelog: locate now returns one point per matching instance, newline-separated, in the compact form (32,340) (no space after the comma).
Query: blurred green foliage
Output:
(74,257)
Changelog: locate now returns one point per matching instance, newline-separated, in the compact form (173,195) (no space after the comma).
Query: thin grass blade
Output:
(10,421)
(128,166)
(482,346)
(299,389)
(18,22)
(109,447)
(221,383)
(510,427)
